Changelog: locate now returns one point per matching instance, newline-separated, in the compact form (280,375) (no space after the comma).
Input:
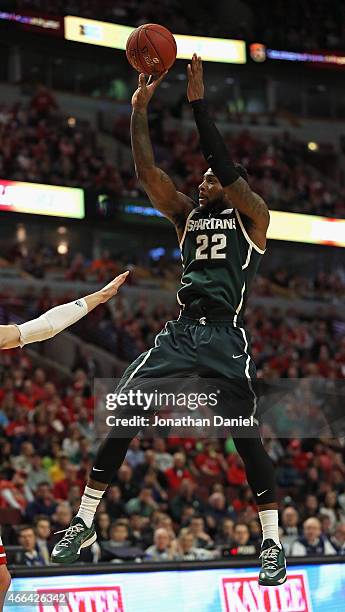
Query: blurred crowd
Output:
(39,144)
(283,343)
(180,498)
(126,327)
(279,166)
(174,499)
(277,25)
(42,261)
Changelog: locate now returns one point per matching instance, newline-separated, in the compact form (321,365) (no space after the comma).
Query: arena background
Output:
(73,216)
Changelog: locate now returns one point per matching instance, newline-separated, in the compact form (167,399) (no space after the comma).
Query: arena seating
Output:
(39,144)
(175,499)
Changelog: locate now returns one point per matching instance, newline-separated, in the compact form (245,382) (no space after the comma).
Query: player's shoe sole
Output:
(278,582)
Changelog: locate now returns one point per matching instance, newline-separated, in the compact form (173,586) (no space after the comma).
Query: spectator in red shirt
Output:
(177,472)
(236,475)
(15,493)
(43,101)
(62,487)
(104,267)
(210,462)
(300,459)
(244,501)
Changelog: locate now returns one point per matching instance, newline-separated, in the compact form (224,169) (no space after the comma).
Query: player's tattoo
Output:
(141,142)
(163,177)
(248,202)
(159,187)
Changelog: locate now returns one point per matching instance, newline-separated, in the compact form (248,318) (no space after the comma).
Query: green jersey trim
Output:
(185,228)
(240,222)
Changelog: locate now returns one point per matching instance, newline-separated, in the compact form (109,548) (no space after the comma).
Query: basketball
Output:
(151,49)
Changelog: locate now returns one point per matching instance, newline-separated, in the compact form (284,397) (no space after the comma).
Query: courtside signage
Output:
(40,199)
(314,588)
(243,593)
(85,599)
(115,36)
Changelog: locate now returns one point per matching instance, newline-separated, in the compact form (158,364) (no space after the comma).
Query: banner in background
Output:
(314,588)
(259,53)
(292,227)
(295,227)
(115,36)
(35,22)
(39,199)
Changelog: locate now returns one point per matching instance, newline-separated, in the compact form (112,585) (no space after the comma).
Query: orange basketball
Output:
(151,49)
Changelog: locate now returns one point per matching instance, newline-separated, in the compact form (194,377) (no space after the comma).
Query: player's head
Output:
(211,192)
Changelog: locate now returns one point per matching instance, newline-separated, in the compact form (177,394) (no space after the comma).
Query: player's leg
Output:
(261,479)
(260,474)
(225,354)
(81,533)
(172,354)
(110,456)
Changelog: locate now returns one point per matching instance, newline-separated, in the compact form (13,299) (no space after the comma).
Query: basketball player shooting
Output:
(222,242)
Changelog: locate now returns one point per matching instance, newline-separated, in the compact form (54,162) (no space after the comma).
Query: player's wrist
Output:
(197,101)
(140,108)
(103,296)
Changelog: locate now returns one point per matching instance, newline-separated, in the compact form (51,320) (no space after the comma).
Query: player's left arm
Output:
(253,207)
(249,203)
(58,318)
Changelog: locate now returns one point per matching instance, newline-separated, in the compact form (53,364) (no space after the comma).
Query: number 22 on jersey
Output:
(211,247)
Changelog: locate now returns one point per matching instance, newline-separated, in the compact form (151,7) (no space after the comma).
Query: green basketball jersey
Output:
(219,264)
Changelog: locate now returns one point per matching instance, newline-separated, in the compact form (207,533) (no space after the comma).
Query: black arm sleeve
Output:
(213,146)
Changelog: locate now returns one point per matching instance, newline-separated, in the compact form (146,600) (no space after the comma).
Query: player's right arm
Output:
(159,187)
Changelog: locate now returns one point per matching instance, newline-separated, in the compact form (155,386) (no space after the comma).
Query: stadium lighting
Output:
(62,247)
(113,35)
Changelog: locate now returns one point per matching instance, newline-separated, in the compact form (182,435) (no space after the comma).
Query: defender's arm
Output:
(57,319)
(159,187)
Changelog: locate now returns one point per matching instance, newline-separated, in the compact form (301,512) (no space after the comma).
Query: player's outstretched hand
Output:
(195,87)
(145,91)
(112,288)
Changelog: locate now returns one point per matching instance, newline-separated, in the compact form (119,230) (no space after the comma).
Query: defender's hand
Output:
(145,91)
(195,87)
(112,288)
